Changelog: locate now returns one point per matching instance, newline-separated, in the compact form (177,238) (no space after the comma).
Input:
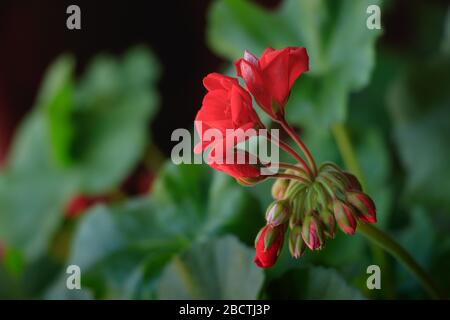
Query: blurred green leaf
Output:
(33,188)
(84,137)
(373,156)
(445,46)
(55,97)
(313,283)
(340,46)
(419,103)
(13,261)
(122,250)
(113,245)
(218,269)
(210,201)
(419,238)
(114,103)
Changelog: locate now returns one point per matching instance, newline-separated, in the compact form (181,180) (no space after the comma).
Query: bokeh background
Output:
(86,118)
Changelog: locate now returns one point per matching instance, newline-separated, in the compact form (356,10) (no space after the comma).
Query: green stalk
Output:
(346,150)
(390,245)
(372,233)
(300,143)
(348,155)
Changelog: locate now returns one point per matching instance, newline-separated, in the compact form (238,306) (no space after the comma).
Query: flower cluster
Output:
(310,210)
(309,201)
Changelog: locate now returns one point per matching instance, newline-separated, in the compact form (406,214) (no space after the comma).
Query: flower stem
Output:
(348,155)
(390,245)
(346,150)
(375,235)
(300,143)
(292,167)
(292,152)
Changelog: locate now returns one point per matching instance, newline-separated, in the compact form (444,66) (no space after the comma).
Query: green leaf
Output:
(313,283)
(373,156)
(445,46)
(122,250)
(114,245)
(33,187)
(340,46)
(218,269)
(83,137)
(114,104)
(419,104)
(419,238)
(55,97)
(211,202)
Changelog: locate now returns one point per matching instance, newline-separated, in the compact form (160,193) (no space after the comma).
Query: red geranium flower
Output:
(226,107)
(271,78)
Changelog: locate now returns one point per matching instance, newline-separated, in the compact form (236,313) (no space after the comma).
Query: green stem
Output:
(375,235)
(293,167)
(300,143)
(292,152)
(289,177)
(346,150)
(390,245)
(348,155)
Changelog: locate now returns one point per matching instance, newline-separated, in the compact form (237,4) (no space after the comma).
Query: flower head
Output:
(227,109)
(226,106)
(310,201)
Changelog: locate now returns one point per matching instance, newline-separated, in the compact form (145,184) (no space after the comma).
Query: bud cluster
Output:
(309,211)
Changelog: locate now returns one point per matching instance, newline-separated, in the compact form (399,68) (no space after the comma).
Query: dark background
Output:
(33,33)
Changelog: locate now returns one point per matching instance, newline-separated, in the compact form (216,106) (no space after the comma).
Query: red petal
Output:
(215,81)
(276,73)
(298,63)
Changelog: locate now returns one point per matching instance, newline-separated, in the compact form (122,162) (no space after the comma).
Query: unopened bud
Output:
(312,232)
(345,216)
(279,188)
(277,213)
(268,245)
(297,211)
(271,235)
(364,205)
(328,222)
(353,181)
(334,179)
(296,244)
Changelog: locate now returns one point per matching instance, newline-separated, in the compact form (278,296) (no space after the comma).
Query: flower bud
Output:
(364,205)
(296,244)
(334,180)
(279,188)
(277,213)
(268,245)
(297,211)
(345,216)
(353,181)
(312,232)
(328,222)
(321,195)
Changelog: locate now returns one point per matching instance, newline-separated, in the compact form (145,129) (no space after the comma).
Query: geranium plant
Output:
(309,200)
